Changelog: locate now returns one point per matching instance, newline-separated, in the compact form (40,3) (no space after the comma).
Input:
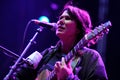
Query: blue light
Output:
(44,18)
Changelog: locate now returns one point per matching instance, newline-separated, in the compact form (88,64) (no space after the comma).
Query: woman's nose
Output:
(60,22)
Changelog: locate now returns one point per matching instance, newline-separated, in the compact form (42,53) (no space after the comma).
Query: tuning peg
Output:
(106,31)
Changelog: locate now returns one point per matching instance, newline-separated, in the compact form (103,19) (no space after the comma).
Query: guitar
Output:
(94,34)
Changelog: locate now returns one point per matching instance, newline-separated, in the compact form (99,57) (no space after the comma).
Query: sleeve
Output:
(24,72)
(72,77)
(95,68)
(91,67)
(100,70)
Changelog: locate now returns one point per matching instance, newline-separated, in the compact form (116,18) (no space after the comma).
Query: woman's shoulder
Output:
(89,52)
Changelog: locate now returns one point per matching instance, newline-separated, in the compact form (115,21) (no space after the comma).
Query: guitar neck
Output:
(73,52)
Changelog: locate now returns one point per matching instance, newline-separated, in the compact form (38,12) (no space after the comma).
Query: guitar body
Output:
(44,75)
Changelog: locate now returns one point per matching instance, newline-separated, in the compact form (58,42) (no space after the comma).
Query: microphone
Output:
(51,26)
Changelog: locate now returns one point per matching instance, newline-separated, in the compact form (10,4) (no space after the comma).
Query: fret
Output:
(68,56)
(75,49)
(82,42)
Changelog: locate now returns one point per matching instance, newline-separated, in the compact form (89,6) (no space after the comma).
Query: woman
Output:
(86,64)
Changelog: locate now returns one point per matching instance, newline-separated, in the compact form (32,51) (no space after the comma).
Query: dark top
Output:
(89,67)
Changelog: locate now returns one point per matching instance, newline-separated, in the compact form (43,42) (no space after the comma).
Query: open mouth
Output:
(60,28)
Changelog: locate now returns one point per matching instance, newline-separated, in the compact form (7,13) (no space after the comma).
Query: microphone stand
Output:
(13,68)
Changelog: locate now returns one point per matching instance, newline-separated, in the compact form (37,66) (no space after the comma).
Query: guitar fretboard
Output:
(73,52)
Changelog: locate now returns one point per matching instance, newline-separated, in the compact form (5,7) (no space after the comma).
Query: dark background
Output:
(15,14)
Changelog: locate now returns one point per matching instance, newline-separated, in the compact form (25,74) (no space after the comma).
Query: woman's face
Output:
(67,27)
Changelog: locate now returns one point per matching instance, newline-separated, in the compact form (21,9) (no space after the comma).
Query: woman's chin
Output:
(59,33)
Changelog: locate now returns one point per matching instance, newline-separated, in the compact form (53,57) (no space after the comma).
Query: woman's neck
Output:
(67,45)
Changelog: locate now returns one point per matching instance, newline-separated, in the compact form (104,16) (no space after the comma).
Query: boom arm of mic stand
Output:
(13,55)
(8,52)
(13,68)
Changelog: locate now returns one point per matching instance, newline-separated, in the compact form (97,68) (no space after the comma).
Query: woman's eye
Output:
(68,18)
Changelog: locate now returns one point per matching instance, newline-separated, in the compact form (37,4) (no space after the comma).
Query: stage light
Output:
(44,18)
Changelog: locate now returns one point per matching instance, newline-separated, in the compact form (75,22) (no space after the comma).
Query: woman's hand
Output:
(62,69)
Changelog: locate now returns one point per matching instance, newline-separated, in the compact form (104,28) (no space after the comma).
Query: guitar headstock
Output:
(98,32)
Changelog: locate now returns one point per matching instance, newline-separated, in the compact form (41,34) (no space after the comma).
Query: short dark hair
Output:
(82,18)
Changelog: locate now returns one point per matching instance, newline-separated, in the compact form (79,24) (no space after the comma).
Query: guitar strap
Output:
(75,61)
